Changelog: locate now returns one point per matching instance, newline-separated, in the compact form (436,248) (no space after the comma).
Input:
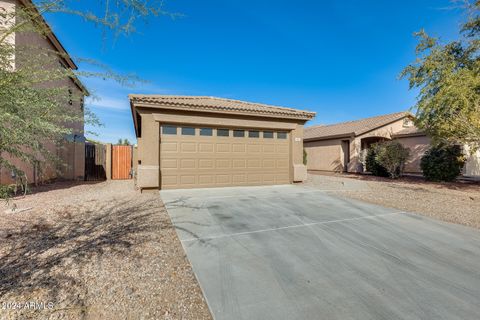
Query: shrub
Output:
(6,192)
(442,163)
(372,164)
(305,156)
(392,156)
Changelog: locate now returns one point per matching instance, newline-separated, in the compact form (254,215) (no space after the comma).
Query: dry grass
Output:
(96,251)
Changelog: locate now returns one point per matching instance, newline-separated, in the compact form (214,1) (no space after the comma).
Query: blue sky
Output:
(338,58)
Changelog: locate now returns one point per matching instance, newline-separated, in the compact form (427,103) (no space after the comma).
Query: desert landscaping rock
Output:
(95,251)
(451,202)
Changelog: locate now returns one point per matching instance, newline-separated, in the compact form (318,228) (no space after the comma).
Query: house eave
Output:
(275,115)
(350,135)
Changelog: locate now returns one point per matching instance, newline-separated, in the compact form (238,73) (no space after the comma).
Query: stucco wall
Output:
(325,155)
(418,145)
(72,155)
(472,166)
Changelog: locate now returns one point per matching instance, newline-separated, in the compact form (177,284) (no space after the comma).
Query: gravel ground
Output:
(95,251)
(451,202)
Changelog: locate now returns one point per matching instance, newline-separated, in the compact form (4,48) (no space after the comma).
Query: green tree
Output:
(34,99)
(123,142)
(448,77)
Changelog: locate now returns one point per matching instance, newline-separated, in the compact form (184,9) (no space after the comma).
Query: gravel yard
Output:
(451,202)
(94,251)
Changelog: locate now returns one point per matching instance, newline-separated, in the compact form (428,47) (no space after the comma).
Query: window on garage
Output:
(281,135)
(223,132)
(239,133)
(253,134)
(188,131)
(268,134)
(169,129)
(206,132)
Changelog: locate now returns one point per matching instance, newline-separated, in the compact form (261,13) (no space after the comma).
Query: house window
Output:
(281,135)
(253,134)
(223,132)
(206,132)
(188,131)
(239,133)
(268,134)
(169,130)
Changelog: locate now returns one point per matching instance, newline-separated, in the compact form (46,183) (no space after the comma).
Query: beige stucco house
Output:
(72,150)
(418,143)
(192,142)
(342,147)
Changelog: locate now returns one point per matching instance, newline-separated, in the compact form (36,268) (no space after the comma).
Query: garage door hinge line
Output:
(293,226)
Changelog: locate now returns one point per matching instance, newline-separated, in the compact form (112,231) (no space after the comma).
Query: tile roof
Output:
(352,128)
(213,104)
(412,131)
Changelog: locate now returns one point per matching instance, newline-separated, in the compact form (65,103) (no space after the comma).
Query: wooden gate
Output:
(94,162)
(121,162)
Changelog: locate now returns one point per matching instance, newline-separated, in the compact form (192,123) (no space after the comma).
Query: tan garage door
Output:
(218,157)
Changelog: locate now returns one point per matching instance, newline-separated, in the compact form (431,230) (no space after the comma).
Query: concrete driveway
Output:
(296,252)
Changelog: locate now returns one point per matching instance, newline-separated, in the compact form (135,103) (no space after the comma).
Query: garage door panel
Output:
(254,148)
(169,163)
(223,179)
(239,178)
(169,147)
(254,178)
(239,163)
(254,163)
(282,163)
(211,161)
(268,163)
(206,163)
(281,178)
(269,148)
(237,147)
(281,149)
(223,147)
(269,178)
(223,163)
(188,164)
(169,180)
(189,147)
(206,147)
(187,180)
(206,179)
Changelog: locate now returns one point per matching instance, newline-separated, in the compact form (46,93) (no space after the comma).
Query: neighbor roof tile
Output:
(352,128)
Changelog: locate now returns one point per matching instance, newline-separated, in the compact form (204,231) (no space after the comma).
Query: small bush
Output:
(442,163)
(5,192)
(305,156)
(372,164)
(392,155)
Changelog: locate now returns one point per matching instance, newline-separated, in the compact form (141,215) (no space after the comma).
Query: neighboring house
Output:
(72,150)
(192,142)
(418,143)
(341,147)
